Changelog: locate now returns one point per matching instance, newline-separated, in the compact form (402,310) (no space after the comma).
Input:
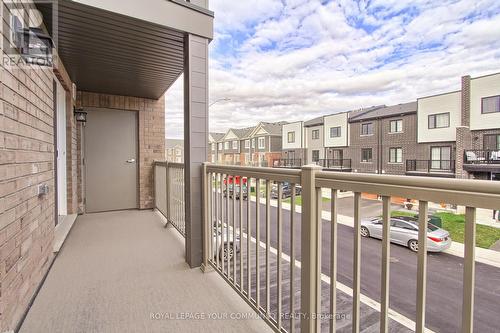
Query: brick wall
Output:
(151,133)
(26,161)
(359,142)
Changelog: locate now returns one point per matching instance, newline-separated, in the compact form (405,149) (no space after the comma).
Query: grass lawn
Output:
(486,236)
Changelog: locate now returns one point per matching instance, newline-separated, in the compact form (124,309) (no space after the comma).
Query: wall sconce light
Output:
(80,115)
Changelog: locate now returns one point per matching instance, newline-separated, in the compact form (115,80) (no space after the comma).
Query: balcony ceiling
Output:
(111,53)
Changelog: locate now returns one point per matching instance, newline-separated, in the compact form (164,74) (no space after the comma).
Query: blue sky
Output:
(295,60)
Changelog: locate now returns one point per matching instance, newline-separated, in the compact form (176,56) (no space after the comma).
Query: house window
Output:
(315,155)
(226,145)
(220,146)
(212,146)
(439,120)
(491,142)
(262,143)
(396,126)
(490,104)
(235,144)
(395,155)
(441,158)
(367,129)
(247,144)
(291,137)
(315,134)
(366,155)
(335,132)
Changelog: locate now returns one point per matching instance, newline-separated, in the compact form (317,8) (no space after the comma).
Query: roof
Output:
(273,128)
(217,136)
(383,111)
(242,132)
(172,143)
(314,122)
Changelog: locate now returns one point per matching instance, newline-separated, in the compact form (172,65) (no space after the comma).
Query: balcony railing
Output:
(261,262)
(169,193)
(430,166)
(482,157)
(287,163)
(336,164)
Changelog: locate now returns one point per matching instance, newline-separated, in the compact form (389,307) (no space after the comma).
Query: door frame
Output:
(138,160)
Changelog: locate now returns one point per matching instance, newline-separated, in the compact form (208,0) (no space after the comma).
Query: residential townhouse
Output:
(215,147)
(293,145)
(453,134)
(314,133)
(258,145)
(174,150)
(231,144)
(263,144)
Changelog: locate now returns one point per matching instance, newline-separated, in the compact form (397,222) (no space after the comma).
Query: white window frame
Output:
(235,144)
(433,124)
(396,155)
(226,145)
(219,145)
(253,143)
(292,135)
(369,127)
(315,134)
(398,126)
(247,144)
(262,143)
(338,134)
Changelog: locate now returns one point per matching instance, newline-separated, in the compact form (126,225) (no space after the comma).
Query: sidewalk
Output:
(485,256)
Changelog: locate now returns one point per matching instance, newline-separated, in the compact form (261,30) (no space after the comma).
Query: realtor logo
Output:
(29,43)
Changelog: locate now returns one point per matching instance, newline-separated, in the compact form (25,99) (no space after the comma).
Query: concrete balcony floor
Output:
(118,269)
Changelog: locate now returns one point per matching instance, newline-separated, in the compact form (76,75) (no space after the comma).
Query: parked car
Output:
(237,185)
(287,191)
(221,238)
(404,231)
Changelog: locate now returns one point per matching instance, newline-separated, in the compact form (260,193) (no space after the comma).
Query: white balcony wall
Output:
(336,120)
(297,129)
(443,103)
(480,87)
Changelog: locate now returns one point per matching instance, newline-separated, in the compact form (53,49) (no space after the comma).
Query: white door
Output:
(61,151)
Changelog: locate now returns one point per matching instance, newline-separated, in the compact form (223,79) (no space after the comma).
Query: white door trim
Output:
(62,196)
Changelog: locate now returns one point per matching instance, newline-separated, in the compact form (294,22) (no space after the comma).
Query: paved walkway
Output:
(118,270)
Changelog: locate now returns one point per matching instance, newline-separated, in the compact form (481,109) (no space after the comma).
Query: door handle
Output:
(132,160)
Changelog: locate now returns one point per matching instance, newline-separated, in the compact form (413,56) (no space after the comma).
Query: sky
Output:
(296,60)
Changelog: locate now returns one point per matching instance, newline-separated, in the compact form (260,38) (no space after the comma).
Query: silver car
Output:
(404,231)
(220,238)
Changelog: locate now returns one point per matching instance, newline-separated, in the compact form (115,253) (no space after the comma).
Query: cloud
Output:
(294,60)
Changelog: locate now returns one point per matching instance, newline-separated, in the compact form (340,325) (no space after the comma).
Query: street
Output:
(444,271)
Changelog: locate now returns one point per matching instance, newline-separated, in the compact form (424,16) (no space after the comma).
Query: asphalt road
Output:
(444,272)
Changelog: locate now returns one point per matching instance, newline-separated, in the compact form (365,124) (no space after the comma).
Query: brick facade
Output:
(151,133)
(26,161)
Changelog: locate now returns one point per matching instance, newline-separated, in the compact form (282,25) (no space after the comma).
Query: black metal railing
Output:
(429,166)
(482,156)
(287,163)
(336,164)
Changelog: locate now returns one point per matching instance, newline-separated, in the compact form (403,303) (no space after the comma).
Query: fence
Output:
(169,193)
(244,240)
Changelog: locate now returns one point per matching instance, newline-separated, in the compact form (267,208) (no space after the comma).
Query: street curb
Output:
(485,256)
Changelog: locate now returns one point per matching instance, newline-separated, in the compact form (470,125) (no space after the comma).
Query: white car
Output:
(404,231)
(219,242)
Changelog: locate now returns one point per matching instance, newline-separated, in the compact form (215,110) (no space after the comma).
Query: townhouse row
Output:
(255,146)
(453,134)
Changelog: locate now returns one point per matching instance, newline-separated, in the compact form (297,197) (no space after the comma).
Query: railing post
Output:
(167,191)
(310,270)
(205,217)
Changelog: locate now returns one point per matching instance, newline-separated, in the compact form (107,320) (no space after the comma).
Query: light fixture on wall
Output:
(80,115)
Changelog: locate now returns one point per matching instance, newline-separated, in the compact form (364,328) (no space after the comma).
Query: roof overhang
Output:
(122,47)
